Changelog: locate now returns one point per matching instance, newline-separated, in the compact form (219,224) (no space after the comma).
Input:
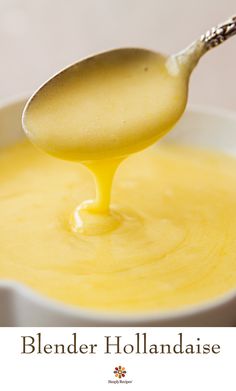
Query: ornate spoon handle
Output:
(219,34)
(188,58)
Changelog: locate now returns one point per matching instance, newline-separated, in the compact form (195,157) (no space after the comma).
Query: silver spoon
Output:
(117,102)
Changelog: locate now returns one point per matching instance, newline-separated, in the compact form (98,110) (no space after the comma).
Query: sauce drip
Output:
(174,245)
(103,109)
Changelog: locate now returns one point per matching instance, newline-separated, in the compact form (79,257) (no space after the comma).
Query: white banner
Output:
(129,358)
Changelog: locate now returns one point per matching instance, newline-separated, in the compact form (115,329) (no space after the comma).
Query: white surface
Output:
(37,38)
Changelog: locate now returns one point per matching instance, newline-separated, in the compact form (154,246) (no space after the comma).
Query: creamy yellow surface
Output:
(174,244)
(109,105)
(102,109)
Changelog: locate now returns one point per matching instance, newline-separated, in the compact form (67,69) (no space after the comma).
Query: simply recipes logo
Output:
(119,374)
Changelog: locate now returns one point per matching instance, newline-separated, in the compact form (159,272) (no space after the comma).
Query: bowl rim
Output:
(116,317)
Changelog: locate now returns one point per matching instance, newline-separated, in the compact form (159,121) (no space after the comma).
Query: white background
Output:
(38,37)
(92,372)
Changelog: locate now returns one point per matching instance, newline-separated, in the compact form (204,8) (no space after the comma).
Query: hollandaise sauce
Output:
(173,244)
(101,110)
(108,227)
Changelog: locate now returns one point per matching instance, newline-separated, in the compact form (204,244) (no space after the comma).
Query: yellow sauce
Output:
(165,238)
(108,106)
(174,246)
(103,109)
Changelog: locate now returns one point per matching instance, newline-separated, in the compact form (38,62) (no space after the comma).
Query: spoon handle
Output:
(187,59)
(217,35)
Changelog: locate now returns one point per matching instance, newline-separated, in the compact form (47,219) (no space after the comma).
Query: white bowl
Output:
(21,306)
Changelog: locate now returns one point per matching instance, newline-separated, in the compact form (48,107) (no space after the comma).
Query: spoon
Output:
(117,102)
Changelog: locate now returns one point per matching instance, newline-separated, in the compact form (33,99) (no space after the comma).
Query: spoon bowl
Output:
(115,103)
(109,105)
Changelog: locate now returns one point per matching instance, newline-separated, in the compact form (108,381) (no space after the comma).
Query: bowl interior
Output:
(208,128)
